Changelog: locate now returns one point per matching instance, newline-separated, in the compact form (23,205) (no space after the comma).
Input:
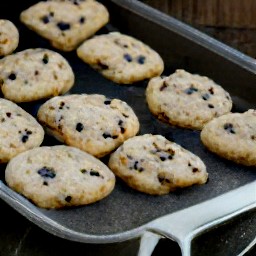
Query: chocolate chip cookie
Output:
(65,24)
(121,58)
(35,74)
(59,176)
(233,136)
(19,131)
(187,100)
(93,123)
(154,165)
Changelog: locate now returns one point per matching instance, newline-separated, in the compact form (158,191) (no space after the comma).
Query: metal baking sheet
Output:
(181,47)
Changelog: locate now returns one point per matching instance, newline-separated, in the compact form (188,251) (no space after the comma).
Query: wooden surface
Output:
(230,21)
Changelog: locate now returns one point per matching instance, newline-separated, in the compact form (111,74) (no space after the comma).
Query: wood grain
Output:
(218,13)
(230,21)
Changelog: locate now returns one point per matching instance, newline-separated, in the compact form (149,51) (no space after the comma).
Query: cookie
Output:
(154,165)
(59,176)
(9,37)
(35,74)
(232,136)
(186,100)
(65,24)
(19,131)
(121,58)
(93,123)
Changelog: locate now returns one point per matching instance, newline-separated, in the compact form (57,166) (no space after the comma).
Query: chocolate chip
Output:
(120,123)
(210,106)
(83,171)
(191,90)
(195,170)
(79,127)
(63,26)
(206,96)
(45,183)
(2,119)
(8,114)
(36,73)
(162,179)
(62,104)
(117,42)
(211,90)
(51,14)
(106,135)
(135,166)
(47,172)
(128,57)
(12,76)
(24,138)
(59,120)
(171,151)
(45,19)
(28,132)
(126,116)
(45,59)
(170,157)
(94,173)
(189,164)
(229,128)
(82,20)
(163,155)
(68,199)
(141,59)
(164,85)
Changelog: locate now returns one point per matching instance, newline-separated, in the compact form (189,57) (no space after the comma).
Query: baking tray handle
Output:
(184,225)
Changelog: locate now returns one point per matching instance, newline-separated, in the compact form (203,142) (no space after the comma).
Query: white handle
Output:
(184,225)
(148,243)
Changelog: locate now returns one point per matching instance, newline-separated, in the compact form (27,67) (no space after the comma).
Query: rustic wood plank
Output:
(219,13)
(230,21)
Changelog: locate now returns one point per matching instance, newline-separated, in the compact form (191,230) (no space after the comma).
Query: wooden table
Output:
(230,21)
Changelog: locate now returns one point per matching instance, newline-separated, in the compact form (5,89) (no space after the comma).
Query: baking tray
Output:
(126,213)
